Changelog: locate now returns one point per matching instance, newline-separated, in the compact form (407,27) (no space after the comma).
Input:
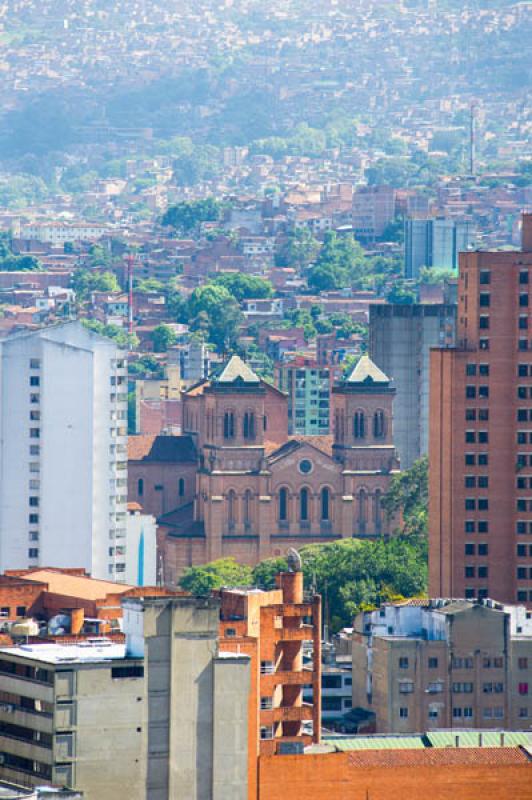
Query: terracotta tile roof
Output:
(76,586)
(439,757)
(150,447)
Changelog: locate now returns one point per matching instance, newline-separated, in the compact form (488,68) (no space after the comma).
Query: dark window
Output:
(484,323)
(331,681)
(483,437)
(523,300)
(522,370)
(471,369)
(523,323)
(378,425)
(523,277)
(229,425)
(140,487)
(470,414)
(483,459)
(33,519)
(470,504)
(470,459)
(483,481)
(482,572)
(325,504)
(469,481)
(469,549)
(21,611)
(484,299)
(249,425)
(34,501)
(35,380)
(283,504)
(469,572)
(485,277)
(471,392)
(484,344)
(469,526)
(470,437)
(33,552)
(483,391)
(482,526)
(359,425)
(433,663)
(483,504)
(303,505)
(523,344)
(127,672)
(484,369)
(483,549)
(403,662)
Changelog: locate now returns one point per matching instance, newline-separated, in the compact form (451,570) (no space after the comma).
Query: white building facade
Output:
(63,451)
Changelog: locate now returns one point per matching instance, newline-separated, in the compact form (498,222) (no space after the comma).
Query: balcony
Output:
(26,687)
(287,714)
(18,715)
(26,749)
(285,678)
(303,634)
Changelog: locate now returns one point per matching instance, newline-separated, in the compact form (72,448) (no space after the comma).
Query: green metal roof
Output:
(472,738)
(378,743)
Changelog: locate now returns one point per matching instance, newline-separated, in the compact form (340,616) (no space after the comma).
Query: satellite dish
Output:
(294,560)
(59,625)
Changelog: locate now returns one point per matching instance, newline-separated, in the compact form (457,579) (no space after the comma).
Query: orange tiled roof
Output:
(77,586)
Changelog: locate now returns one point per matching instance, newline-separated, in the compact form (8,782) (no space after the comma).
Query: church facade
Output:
(258,492)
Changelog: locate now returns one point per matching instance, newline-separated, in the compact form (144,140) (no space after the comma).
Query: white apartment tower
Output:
(63,451)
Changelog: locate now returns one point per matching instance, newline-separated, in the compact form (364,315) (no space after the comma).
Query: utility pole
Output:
(472,139)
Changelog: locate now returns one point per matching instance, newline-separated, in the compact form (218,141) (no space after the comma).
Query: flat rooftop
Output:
(91,650)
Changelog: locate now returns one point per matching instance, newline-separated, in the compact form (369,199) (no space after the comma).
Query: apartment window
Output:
(523,688)
(484,369)
(35,433)
(266,732)
(406,687)
(470,414)
(523,277)
(34,501)
(522,662)
(482,572)
(523,300)
(483,392)
(181,487)
(522,344)
(483,504)
(483,437)
(522,370)
(485,277)
(484,344)
(140,487)
(267,667)
(483,481)
(470,481)
(471,369)
(33,519)
(35,380)
(457,713)
(484,299)
(469,549)
(462,688)
(35,363)
(403,713)
(483,459)
(403,662)
(33,552)
(484,323)
(468,712)
(521,573)
(21,611)
(35,398)
(482,526)
(470,437)
(470,459)
(470,504)
(483,549)
(469,526)
(132,671)
(266,703)
(523,713)
(523,323)
(471,392)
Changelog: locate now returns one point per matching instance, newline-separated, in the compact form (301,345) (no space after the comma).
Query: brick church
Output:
(235,484)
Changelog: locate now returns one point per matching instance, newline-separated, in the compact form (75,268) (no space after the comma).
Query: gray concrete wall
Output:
(230,731)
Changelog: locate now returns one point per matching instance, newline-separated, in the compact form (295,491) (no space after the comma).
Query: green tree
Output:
(85,281)
(223,314)
(226,572)
(408,497)
(162,337)
(298,250)
(150,285)
(341,263)
(243,286)
(187,216)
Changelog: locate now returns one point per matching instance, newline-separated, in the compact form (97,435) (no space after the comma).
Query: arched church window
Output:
(304,505)
(378,424)
(359,425)
(229,425)
(283,504)
(325,498)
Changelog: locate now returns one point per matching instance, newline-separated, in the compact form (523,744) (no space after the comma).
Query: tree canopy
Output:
(185,217)
(213,310)
(162,337)
(243,286)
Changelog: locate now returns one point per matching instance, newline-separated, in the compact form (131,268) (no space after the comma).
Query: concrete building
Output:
(447,664)
(373,209)
(480,449)
(73,715)
(308,387)
(435,242)
(63,450)
(196,700)
(400,338)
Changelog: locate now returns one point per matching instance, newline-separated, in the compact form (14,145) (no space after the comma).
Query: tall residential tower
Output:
(63,451)
(480,444)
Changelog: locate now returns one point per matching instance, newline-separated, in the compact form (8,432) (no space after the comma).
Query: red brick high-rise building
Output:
(480,444)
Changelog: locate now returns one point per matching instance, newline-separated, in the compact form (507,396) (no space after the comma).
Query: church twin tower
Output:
(260,491)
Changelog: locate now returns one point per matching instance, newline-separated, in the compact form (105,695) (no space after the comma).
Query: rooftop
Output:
(80,586)
(89,651)
(366,371)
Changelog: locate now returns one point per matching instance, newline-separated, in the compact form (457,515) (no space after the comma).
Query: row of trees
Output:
(350,574)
